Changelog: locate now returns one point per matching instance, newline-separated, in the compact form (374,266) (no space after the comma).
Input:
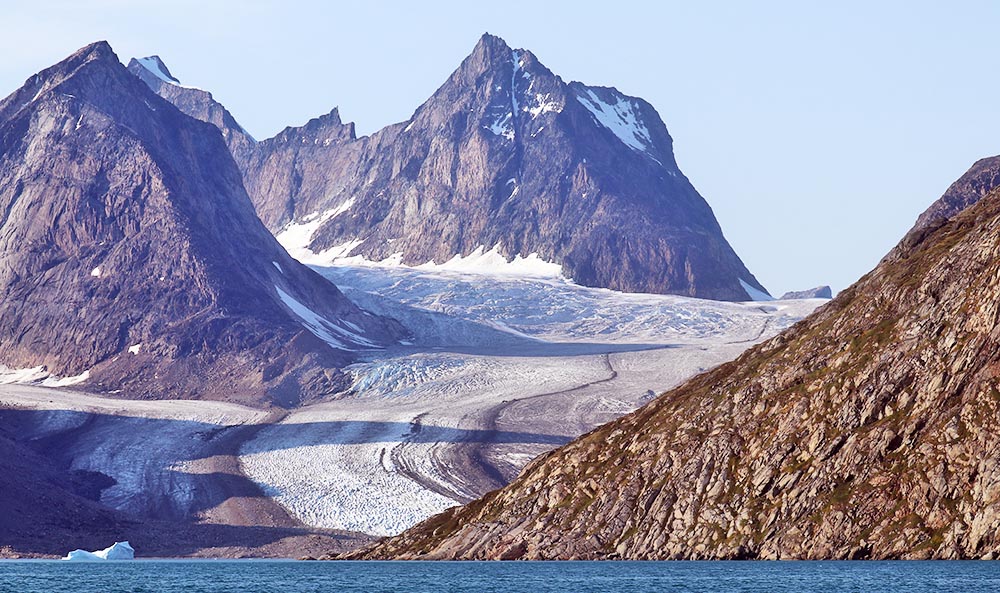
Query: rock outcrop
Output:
(504,155)
(131,256)
(978,181)
(820,292)
(871,429)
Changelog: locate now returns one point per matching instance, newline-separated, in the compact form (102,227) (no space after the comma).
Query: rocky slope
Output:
(870,429)
(131,257)
(504,155)
(978,181)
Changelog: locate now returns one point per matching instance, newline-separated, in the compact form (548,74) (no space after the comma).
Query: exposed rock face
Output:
(130,250)
(978,181)
(870,429)
(504,154)
(195,102)
(820,292)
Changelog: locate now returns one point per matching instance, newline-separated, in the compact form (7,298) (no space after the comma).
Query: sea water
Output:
(193,576)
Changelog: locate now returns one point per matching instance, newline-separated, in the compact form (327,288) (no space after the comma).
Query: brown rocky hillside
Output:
(870,429)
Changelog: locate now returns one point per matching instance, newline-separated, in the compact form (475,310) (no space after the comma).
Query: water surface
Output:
(193,576)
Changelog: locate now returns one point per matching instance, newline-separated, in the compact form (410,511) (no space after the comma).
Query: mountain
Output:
(978,181)
(193,101)
(506,158)
(820,292)
(871,429)
(131,258)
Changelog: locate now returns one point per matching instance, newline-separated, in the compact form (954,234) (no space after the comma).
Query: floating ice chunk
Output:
(134,349)
(277,265)
(96,272)
(117,551)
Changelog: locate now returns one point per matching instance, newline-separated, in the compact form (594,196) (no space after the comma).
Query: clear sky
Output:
(817,131)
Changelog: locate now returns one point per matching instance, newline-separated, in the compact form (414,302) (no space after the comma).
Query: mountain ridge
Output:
(135,214)
(504,156)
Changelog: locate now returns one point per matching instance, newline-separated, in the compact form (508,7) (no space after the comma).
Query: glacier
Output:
(499,369)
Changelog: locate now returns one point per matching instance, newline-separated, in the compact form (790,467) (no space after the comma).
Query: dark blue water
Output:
(502,577)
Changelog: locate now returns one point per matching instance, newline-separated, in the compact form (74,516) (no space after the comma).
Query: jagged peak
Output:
(96,59)
(155,66)
(493,52)
(491,43)
(96,50)
(329,126)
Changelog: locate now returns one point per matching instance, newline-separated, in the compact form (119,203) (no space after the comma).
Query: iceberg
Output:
(118,551)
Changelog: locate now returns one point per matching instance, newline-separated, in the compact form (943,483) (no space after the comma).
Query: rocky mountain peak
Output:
(152,66)
(325,129)
(130,254)
(505,156)
(194,102)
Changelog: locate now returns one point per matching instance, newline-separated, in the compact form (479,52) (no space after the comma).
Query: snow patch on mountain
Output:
(295,237)
(517,62)
(321,327)
(153,65)
(494,263)
(156,67)
(543,104)
(621,117)
(755,294)
(38,376)
(502,126)
(53,381)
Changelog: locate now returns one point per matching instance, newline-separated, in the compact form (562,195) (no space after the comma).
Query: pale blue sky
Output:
(817,132)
